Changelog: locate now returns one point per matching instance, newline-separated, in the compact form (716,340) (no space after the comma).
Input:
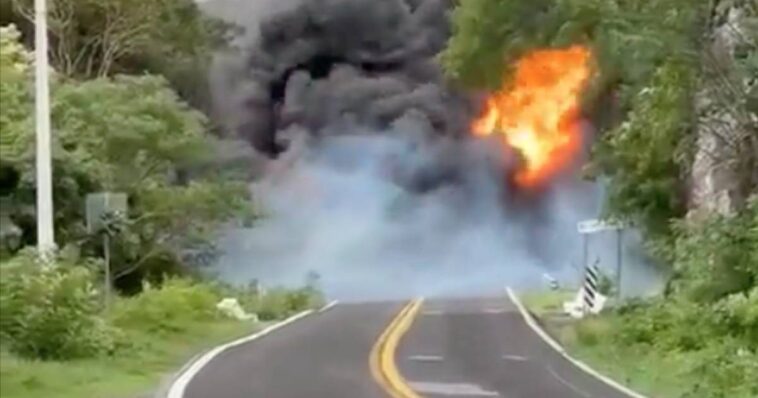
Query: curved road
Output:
(453,348)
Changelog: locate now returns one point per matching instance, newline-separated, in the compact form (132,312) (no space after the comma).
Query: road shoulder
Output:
(533,324)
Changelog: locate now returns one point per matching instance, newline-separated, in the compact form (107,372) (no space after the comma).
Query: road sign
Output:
(101,204)
(101,208)
(595,225)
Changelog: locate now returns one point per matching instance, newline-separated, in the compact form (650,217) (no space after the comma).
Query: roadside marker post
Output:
(590,288)
(588,227)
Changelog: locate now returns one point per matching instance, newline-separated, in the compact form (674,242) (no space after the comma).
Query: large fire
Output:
(537,112)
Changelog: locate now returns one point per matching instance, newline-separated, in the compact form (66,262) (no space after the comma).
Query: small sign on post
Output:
(102,205)
(588,227)
(102,209)
(595,225)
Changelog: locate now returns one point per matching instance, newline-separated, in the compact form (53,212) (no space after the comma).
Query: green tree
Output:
(97,38)
(644,145)
(657,62)
(127,134)
(645,153)
(717,256)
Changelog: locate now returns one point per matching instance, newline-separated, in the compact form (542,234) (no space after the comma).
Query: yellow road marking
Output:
(382,358)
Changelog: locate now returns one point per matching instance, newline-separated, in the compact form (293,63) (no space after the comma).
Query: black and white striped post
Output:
(591,273)
(590,287)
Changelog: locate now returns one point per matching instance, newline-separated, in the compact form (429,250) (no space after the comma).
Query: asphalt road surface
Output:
(325,355)
(459,348)
(483,348)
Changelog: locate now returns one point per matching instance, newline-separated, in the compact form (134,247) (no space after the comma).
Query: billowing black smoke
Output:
(328,66)
(367,175)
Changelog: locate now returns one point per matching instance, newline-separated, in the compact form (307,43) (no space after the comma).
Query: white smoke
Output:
(385,212)
(338,208)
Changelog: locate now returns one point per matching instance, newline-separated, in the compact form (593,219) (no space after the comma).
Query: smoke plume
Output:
(328,66)
(369,177)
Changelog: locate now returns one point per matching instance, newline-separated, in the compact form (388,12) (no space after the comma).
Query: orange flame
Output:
(538,111)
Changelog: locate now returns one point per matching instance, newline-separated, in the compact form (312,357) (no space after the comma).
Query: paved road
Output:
(483,348)
(321,356)
(457,348)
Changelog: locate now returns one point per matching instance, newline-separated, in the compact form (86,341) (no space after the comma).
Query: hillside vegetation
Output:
(119,126)
(671,94)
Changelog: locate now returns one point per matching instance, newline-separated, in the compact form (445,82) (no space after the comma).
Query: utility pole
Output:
(45,235)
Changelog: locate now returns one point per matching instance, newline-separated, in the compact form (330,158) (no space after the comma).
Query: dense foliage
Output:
(123,134)
(51,312)
(56,312)
(700,341)
(639,80)
(660,83)
(98,38)
(118,133)
(646,153)
(717,256)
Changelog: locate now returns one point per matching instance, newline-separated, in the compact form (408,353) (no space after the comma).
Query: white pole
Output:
(45,237)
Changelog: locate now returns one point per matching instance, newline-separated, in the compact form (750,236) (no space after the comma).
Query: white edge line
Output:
(556,346)
(567,383)
(180,384)
(329,306)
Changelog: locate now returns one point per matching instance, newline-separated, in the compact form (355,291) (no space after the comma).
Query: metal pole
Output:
(107,280)
(585,253)
(45,236)
(619,259)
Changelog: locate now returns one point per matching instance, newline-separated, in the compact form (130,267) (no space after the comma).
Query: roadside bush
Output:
(725,370)
(51,311)
(272,305)
(169,308)
(740,315)
(637,328)
(716,256)
(277,304)
(591,331)
(248,295)
(280,303)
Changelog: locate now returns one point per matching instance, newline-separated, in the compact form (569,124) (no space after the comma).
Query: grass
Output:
(132,373)
(146,337)
(644,369)
(545,302)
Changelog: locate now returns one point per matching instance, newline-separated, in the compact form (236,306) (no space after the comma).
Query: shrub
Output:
(725,370)
(248,295)
(716,256)
(590,331)
(280,303)
(740,315)
(276,303)
(51,311)
(635,326)
(170,308)
(272,305)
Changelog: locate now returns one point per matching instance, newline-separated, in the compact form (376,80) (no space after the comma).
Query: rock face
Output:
(724,170)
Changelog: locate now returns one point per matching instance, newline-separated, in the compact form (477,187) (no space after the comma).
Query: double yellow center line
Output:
(382,359)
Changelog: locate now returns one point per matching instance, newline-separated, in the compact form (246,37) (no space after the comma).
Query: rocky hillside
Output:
(725,167)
